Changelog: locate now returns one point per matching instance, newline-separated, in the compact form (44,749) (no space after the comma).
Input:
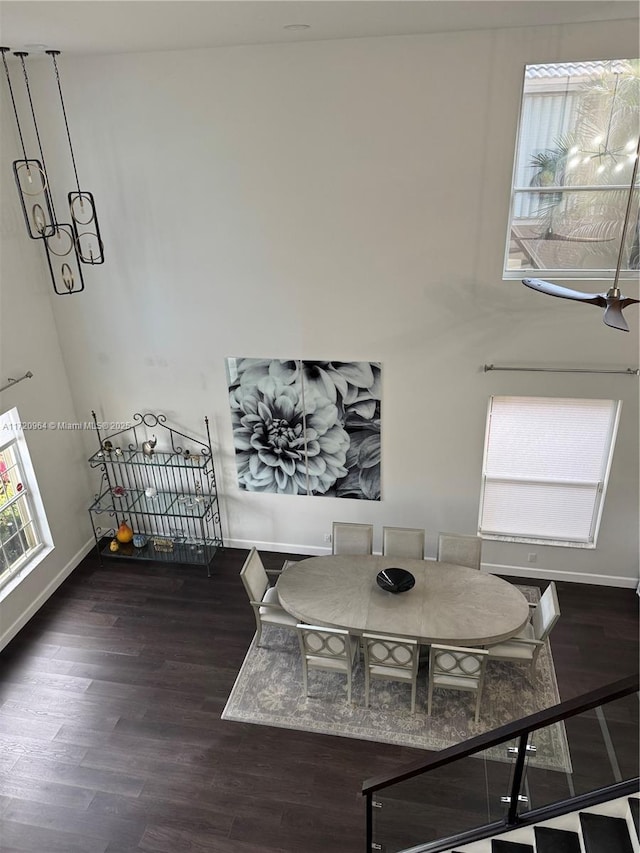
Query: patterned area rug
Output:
(268,692)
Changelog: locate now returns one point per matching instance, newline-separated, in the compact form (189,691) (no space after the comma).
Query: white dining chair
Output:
(351,538)
(456,668)
(526,646)
(403,542)
(262,596)
(460,549)
(392,659)
(332,649)
(286,565)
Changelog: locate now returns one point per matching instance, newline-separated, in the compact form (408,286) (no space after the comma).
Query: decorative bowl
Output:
(395,580)
(139,540)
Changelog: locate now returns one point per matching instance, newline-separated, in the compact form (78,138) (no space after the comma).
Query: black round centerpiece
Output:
(395,580)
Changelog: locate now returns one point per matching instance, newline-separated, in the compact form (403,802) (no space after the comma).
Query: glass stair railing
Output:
(573,756)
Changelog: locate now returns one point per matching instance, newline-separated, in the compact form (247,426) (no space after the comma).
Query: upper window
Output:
(577,143)
(23,525)
(545,470)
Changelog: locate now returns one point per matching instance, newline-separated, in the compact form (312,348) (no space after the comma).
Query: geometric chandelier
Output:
(67,245)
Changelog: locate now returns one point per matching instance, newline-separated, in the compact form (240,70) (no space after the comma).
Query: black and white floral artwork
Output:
(306,427)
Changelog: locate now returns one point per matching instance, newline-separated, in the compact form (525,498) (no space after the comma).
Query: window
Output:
(545,469)
(23,525)
(577,143)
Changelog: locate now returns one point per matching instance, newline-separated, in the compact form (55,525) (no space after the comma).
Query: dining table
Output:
(449,604)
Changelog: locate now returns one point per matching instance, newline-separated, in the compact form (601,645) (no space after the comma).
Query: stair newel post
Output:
(516,784)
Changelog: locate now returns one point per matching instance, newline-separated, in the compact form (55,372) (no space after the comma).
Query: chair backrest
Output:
(351,538)
(403,542)
(254,576)
(461,549)
(465,665)
(546,614)
(391,652)
(329,644)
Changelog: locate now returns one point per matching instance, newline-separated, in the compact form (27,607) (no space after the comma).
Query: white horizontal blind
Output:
(533,510)
(545,117)
(545,467)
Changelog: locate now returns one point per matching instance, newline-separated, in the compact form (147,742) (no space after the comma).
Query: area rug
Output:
(268,691)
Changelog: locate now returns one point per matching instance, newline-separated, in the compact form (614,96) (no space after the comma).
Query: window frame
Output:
(550,87)
(12,438)
(600,485)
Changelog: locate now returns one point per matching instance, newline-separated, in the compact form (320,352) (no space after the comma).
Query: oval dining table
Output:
(449,604)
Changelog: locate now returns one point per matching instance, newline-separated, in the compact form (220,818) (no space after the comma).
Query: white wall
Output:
(346,200)
(29,341)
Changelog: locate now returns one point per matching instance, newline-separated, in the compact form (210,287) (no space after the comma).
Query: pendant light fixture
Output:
(612,300)
(67,245)
(31,179)
(84,219)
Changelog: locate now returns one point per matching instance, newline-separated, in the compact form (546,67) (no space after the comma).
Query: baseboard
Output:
(280,547)
(555,575)
(50,588)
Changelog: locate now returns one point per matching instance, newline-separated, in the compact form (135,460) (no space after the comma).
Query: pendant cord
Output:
(627,216)
(13,100)
(22,54)
(53,54)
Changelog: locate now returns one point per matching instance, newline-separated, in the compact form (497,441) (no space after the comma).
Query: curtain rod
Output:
(11,382)
(630,371)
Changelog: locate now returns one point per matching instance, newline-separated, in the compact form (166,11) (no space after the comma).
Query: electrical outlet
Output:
(327,537)
(532,557)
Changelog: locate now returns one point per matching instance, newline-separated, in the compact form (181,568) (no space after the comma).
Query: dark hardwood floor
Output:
(110,731)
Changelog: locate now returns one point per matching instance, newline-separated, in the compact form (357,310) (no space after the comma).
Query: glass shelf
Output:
(166,504)
(197,552)
(157,460)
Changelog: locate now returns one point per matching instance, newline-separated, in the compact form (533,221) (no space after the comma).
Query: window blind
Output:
(545,467)
(545,118)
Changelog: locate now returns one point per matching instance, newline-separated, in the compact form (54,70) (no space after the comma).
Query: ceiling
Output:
(112,26)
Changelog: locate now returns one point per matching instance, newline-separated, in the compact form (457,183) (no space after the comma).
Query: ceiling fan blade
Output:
(564,292)
(626,300)
(613,316)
